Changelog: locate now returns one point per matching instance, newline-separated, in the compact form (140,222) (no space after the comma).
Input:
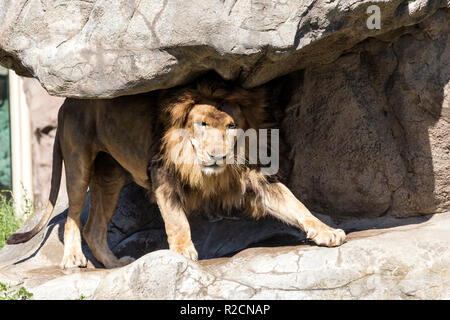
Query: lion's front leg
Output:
(282,204)
(176,223)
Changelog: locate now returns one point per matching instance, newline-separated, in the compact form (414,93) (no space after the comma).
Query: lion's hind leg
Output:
(78,172)
(107,181)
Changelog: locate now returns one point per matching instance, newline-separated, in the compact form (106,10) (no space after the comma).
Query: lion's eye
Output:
(231,126)
(201,123)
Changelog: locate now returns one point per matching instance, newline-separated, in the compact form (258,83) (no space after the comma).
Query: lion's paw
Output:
(187,251)
(327,236)
(74,260)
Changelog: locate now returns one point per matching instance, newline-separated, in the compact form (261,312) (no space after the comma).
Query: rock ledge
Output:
(400,259)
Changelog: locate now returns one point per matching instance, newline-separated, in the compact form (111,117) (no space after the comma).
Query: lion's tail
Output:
(55,184)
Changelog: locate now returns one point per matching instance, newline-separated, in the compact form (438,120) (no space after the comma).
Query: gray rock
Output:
(111,48)
(393,258)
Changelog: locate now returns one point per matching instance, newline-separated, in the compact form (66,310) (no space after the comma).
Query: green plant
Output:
(27,204)
(6,293)
(9,223)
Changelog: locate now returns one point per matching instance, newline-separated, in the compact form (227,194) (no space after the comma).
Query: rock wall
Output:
(370,132)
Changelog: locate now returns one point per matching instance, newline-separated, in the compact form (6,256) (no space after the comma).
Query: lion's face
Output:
(212,129)
(207,142)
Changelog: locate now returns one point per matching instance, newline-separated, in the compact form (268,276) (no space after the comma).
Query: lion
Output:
(107,143)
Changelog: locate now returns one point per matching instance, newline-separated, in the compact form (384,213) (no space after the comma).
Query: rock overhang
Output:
(104,49)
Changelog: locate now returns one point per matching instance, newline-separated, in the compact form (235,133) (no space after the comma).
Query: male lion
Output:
(108,143)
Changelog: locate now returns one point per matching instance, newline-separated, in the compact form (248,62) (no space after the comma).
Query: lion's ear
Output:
(178,107)
(179,112)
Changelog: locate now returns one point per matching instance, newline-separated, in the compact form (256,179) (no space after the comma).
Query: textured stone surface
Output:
(107,48)
(369,133)
(392,258)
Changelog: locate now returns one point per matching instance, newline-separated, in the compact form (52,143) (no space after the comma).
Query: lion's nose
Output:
(217,157)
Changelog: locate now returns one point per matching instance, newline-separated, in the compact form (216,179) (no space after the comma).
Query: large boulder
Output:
(107,48)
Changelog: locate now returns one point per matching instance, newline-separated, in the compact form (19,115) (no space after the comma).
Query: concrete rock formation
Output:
(369,133)
(111,48)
